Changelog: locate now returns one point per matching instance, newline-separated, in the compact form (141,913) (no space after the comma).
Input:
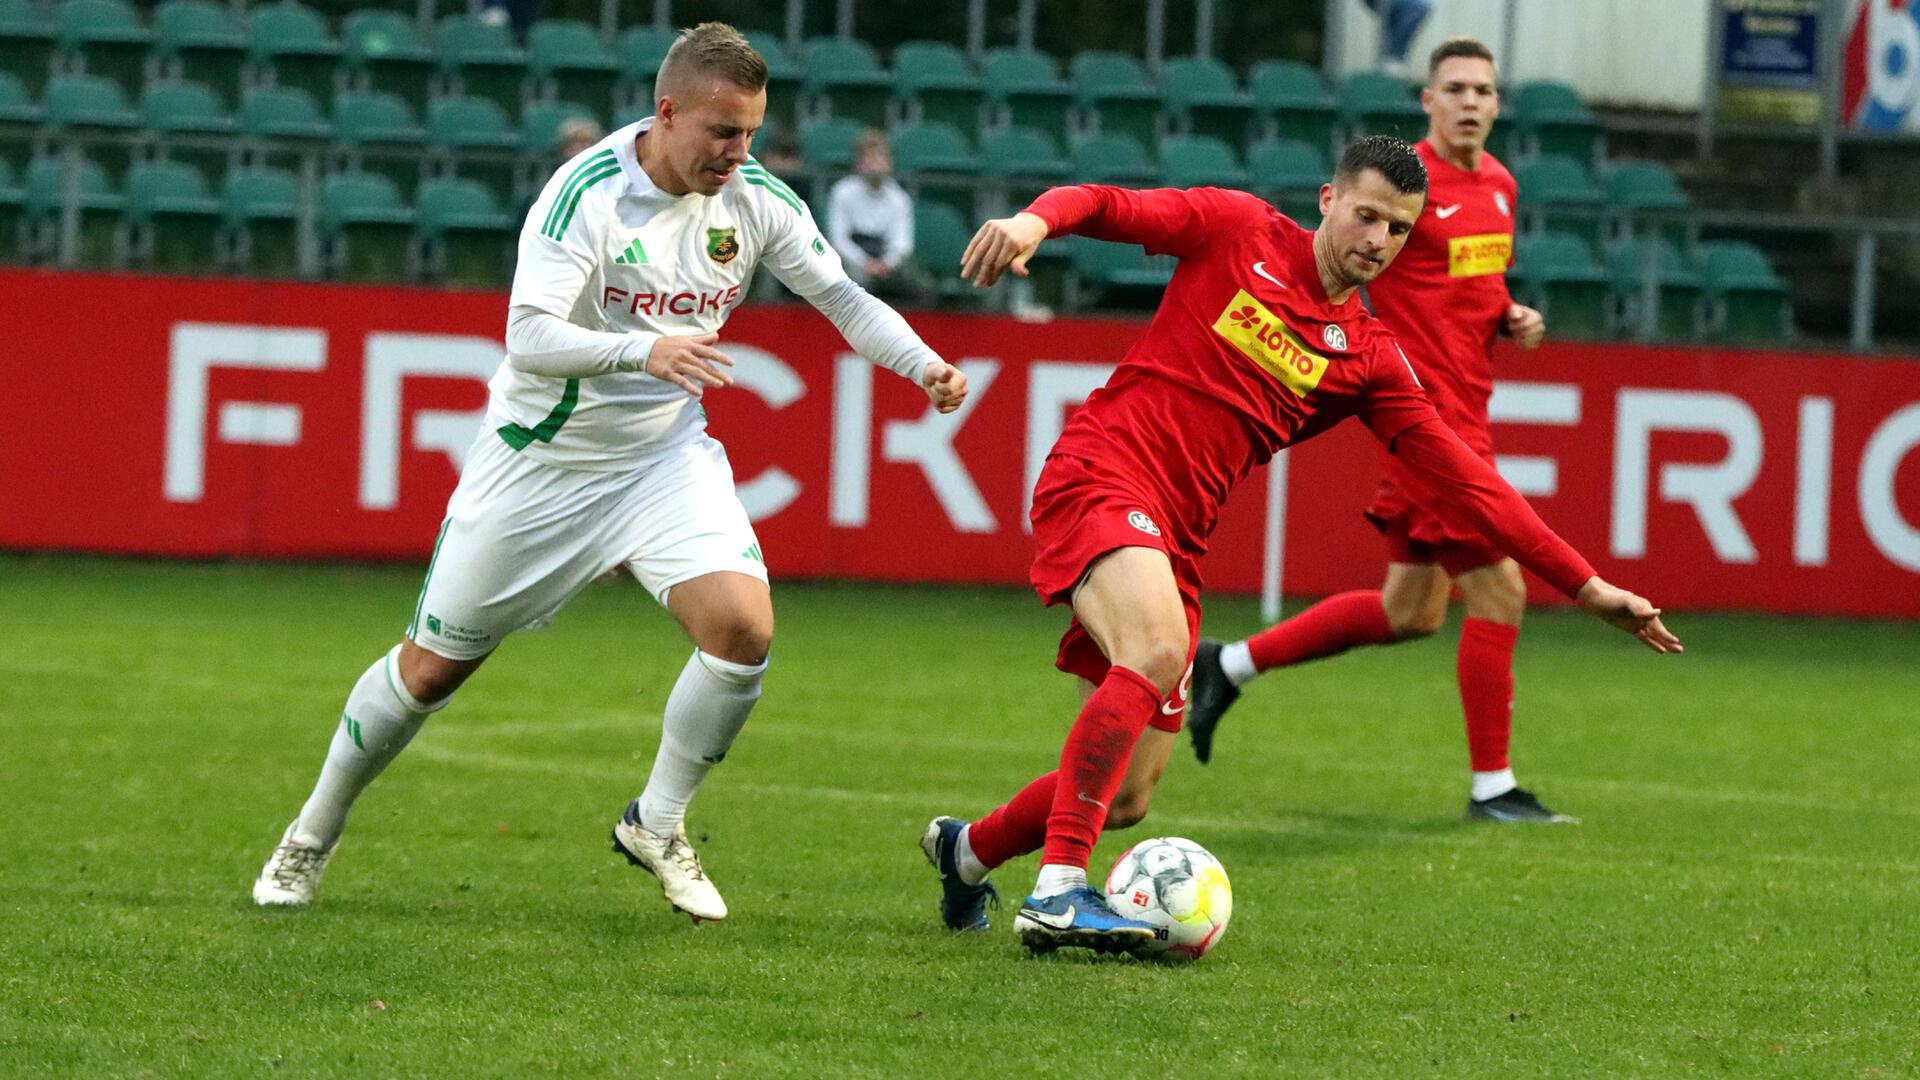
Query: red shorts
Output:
(1416,534)
(1078,517)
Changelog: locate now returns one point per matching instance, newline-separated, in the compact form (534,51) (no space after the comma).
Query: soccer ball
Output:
(1180,888)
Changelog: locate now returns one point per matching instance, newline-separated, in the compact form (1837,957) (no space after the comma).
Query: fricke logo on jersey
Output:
(1335,338)
(1142,522)
(721,246)
(1479,255)
(1261,337)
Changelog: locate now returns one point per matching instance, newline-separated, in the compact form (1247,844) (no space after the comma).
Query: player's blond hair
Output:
(711,49)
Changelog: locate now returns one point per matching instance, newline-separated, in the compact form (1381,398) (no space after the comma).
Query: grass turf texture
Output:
(1739,900)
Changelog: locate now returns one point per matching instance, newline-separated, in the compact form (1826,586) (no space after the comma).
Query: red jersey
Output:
(1245,356)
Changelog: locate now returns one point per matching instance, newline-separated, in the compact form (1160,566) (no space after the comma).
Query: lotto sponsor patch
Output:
(1478,256)
(1260,335)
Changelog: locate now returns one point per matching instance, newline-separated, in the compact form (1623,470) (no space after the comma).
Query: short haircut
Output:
(1472,48)
(868,141)
(1388,156)
(711,49)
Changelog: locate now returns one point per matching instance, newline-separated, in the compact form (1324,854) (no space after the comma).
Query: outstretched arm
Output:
(878,332)
(1174,221)
(1476,492)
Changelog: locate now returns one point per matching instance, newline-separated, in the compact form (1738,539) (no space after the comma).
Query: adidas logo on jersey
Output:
(634,255)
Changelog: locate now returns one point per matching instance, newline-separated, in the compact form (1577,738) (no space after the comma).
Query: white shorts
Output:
(522,537)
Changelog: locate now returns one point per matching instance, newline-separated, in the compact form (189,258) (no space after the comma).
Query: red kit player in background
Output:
(1259,342)
(1446,300)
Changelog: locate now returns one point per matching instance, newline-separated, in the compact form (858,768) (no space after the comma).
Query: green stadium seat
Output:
(1295,103)
(98,204)
(92,105)
(569,61)
(785,77)
(1378,104)
(1678,286)
(935,83)
(1647,192)
(368,227)
(468,239)
(827,145)
(1288,173)
(1113,92)
(1116,274)
(642,50)
(20,118)
(1023,87)
(843,78)
(12,201)
(1745,299)
(1555,273)
(107,38)
(26,42)
(178,106)
(1557,194)
(292,47)
(1551,119)
(282,112)
(935,162)
(474,140)
(203,42)
(261,209)
(940,236)
(172,220)
(1020,163)
(1113,158)
(385,50)
(480,59)
(1200,161)
(1206,99)
(379,133)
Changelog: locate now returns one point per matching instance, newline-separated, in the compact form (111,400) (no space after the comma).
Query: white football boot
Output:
(292,874)
(672,860)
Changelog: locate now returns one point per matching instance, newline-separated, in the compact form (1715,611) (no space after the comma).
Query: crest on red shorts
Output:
(1144,523)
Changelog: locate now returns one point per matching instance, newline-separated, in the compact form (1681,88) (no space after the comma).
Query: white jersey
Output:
(606,250)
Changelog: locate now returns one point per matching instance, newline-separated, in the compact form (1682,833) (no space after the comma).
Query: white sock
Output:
(972,870)
(1236,663)
(1486,785)
(380,719)
(705,712)
(1056,879)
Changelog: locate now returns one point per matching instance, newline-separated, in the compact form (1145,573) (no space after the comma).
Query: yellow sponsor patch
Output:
(1475,256)
(1262,338)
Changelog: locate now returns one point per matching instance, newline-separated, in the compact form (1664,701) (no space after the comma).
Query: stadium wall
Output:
(207,418)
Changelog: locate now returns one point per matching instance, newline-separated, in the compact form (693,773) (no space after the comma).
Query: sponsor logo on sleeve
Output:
(1477,256)
(1260,336)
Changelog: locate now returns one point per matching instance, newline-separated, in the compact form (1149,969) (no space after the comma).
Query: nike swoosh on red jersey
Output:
(1261,269)
(1444,212)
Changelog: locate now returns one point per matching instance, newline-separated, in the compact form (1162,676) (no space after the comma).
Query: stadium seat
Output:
(843,79)
(469,240)
(292,47)
(1113,93)
(1377,104)
(368,228)
(1679,287)
(386,51)
(1206,99)
(642,49)
(935,83)
(92,105)
(203,42)
(1200,161)
(172,220)
(379,134)
(98,206)
(1295,103)
(20,119)
(540,129)
(784,78)
(1647,193)
(106,38)
(936,163)
(474,140)
(282,112)
(26,42)
(192,122)
(827,145)
(1113,158)
(480,59)
(1551,119)
(12,199)
(1019,163)
(569,61)
(1288,173)
(1116,273)
(1023,87)
(261,208)
(1557,194)
(1745,299)
(940,236)
(1555,273)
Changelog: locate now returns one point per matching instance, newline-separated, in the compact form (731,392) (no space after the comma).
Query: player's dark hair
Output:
(1387,156)
(1472,48)
(711,48)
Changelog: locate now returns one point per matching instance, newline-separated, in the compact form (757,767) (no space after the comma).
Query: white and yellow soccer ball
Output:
(1180,888)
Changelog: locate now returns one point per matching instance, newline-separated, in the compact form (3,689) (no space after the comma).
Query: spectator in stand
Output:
(781,156)
(576,135)
(1400,20)
(870,223)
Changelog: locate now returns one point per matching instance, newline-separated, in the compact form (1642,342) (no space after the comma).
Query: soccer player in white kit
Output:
(595,452)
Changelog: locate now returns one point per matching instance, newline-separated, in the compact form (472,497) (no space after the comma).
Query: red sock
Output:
(1094,762)
(1328,628)
(1016,828)
(1485,666)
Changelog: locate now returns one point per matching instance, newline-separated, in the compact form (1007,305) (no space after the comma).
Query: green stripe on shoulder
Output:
(792,201)
(589,172)
(753,171)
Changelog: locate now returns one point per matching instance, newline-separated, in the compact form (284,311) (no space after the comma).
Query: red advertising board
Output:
(208,418)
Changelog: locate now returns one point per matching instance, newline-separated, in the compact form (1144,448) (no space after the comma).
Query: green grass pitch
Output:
(1739,901)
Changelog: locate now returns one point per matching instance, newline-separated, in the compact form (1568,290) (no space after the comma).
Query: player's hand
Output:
(689,363)
(1634,614)
(945,384)
(1526,326)
(1001,244)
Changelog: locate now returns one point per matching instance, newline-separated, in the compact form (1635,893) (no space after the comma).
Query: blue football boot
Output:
(962,906)
(1079,918)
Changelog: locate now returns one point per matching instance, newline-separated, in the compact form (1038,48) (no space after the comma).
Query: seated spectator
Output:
(576,135)
(870,223)
(781,155)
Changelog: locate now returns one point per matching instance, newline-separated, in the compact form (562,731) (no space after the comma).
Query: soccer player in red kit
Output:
(1259,342)
(1446,300)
